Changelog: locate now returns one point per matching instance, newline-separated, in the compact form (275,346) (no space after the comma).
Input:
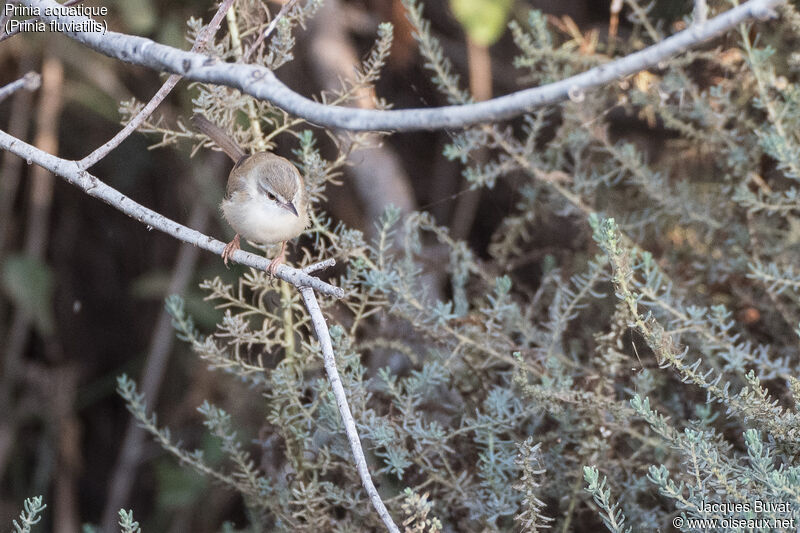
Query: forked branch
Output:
(91,185)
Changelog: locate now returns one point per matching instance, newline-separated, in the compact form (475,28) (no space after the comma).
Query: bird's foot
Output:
(231,247)
(273,265)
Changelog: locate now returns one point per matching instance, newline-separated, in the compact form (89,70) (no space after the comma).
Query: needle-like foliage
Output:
(636,369)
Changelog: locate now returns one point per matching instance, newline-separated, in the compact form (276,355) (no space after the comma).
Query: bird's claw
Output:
(273,266)
(275,263)
(230,248)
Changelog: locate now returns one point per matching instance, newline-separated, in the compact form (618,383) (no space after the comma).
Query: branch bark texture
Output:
(202,39)
(30,82)
(71,171)
(261,83)
(329,361)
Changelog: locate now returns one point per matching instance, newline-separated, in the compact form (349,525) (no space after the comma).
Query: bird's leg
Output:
(273,265)
(230,248)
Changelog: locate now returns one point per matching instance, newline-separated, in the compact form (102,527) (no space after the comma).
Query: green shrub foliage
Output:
(639,371)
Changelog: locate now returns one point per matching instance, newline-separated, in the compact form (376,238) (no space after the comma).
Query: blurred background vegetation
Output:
(83,286)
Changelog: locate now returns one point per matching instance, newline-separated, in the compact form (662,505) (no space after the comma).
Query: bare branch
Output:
(261,83)
(324,338)
(700,11)
(200,44)
(321,265)
(73,173)
(30,82)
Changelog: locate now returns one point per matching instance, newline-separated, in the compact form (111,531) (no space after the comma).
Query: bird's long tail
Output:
(220,138)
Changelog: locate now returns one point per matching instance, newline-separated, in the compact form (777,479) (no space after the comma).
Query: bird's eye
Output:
(267,191)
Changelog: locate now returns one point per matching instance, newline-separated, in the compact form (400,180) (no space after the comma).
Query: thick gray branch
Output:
(70,171)
(262,83)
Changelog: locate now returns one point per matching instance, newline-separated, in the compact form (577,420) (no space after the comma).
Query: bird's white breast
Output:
(262,222)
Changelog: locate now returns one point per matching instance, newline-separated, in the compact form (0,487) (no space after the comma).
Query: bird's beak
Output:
(289,206)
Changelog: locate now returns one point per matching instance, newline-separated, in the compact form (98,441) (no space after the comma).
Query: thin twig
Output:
(71,171)
(285,8)
(30,82)
(321,265)
(199,45)
(261,83)
(324,338)
(700,11)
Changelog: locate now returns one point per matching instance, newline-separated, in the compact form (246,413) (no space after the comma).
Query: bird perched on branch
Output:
(265,200)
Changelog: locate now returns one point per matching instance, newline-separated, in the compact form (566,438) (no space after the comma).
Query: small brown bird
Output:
(265,200)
